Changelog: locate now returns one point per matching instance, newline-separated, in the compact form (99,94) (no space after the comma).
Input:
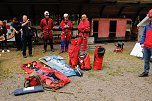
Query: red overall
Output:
(47,27)
(65,34)
(84,28)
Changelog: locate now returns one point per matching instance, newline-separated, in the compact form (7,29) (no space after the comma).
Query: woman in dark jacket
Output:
(17,29)
(3,32)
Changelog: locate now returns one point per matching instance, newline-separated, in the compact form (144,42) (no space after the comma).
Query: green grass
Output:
(114,64)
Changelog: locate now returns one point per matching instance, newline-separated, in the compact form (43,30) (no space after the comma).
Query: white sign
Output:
(137,50)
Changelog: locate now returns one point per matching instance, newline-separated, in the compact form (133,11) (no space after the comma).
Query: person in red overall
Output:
(66,27)
(47,24)
(84,29)
(146,44)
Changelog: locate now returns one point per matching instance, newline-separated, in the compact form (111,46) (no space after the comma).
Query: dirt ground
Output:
(118,81)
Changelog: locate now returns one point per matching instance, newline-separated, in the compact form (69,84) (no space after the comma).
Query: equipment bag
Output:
(98,57)
(48,77)
(84,60)
(73,53)
(34,89)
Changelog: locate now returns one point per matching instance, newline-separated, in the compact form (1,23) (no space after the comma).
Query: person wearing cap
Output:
(84,29)
(3,33)
(47,24)
(146,44)
(26,36)
(66,27)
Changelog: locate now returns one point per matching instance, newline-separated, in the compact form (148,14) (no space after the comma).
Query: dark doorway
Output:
(112,33)
(95,28)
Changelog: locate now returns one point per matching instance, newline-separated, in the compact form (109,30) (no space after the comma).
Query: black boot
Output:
(143,74)
(52,50)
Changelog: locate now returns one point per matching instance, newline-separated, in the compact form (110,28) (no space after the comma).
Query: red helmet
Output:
(150,13)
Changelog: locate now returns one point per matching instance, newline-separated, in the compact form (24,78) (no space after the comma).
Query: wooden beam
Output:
(120,11)
(11,14)
(102,9)
(138,12)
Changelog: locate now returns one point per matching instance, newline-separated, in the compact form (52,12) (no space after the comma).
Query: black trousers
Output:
(27,42)
(50,43)
(18,41)
(4,42)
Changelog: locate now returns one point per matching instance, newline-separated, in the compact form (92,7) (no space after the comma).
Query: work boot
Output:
(143,74)
(24,56)
(30,55)
(61,51)
(3,51)
(52,50)
(66,50)
(44,51)
(8,50)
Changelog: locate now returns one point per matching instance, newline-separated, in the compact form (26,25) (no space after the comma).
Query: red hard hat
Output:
(150,13)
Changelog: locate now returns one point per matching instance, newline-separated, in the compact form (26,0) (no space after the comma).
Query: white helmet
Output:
(65,15)
(46,13)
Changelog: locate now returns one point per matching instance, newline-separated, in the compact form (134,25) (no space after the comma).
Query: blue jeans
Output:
(147,55)
(64,43)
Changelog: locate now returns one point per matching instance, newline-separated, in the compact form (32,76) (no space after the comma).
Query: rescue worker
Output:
(146,44)
(47,24)
(66,27)
(26,36)
(17,29)
(3,33)
(84,29)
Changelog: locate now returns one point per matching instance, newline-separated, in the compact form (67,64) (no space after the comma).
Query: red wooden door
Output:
(121,28)
(103,29)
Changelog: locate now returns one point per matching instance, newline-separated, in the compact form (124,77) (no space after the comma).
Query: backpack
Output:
(73,52)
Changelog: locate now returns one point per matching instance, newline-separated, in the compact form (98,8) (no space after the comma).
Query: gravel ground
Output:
(118,81)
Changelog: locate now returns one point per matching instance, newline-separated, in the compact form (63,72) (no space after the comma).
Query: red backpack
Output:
(84,60)
(98,57)
(73,53)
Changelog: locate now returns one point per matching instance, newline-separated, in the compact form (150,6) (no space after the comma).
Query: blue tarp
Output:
(58,63)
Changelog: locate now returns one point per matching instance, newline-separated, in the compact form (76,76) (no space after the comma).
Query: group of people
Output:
(24,34)
(24,39)
(66,26)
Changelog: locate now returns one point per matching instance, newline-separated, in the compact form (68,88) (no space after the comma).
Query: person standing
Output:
(84,29)
(47,24)
(26,36)
(146,44)
(17,29)
(3,32)
(66,27)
